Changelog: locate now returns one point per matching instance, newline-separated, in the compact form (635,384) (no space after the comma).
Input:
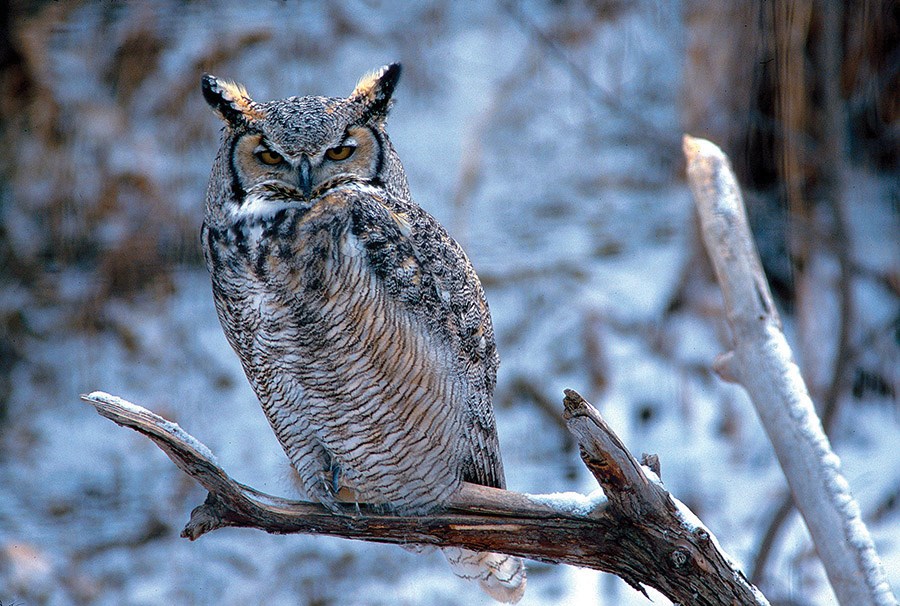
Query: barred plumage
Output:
(359,321)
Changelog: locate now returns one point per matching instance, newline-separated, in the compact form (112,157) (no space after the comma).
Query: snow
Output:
(577,223)
(694,525)
(811,436)
(572,502)
(169,427)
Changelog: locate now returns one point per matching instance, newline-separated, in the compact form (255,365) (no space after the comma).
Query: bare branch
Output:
(769,538)
(642,534)
(764,365)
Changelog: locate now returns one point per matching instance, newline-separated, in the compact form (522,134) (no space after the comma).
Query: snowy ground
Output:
(581,229)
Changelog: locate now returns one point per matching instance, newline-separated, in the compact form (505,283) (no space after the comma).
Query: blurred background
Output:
(545,134)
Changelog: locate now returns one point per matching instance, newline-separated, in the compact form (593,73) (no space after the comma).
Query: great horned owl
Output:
(359,321)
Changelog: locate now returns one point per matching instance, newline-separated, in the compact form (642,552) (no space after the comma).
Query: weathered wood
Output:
(694,564)
(641,534)
(762,362)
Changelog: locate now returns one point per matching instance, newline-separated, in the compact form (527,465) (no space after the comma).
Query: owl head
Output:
(300,147)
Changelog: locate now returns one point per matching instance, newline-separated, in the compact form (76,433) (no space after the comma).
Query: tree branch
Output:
(762,362)
(641,533)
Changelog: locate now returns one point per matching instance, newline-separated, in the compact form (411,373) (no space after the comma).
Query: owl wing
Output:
(425,271)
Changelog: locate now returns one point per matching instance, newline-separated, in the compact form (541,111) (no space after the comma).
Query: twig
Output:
(769,537)
(642,534)
(762,362)
(834,185)
(524,386)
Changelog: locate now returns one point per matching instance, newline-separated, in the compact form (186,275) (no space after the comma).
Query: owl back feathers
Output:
(427,272)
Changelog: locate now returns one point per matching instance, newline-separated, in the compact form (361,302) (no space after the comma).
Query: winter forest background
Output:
(546,136)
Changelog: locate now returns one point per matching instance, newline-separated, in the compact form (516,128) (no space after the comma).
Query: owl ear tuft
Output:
(230,100)
(374,91)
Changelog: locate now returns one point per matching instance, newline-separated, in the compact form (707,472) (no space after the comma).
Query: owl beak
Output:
(305,176)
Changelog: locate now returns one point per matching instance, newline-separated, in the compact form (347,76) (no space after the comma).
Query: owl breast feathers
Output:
(359,321)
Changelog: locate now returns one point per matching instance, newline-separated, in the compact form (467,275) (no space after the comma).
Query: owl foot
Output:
(333,495)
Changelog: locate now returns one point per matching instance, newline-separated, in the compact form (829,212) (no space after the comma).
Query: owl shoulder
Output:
(422,266)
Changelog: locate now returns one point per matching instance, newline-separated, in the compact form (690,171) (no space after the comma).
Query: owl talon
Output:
(335,478)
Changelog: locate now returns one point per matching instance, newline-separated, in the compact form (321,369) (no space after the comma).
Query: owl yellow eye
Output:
(267,156)
(341,152)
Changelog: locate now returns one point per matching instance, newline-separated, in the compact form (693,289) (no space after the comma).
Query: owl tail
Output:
(501,576)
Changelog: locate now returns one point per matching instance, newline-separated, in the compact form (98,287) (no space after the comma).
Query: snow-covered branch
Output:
(639,532)
(762,362)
